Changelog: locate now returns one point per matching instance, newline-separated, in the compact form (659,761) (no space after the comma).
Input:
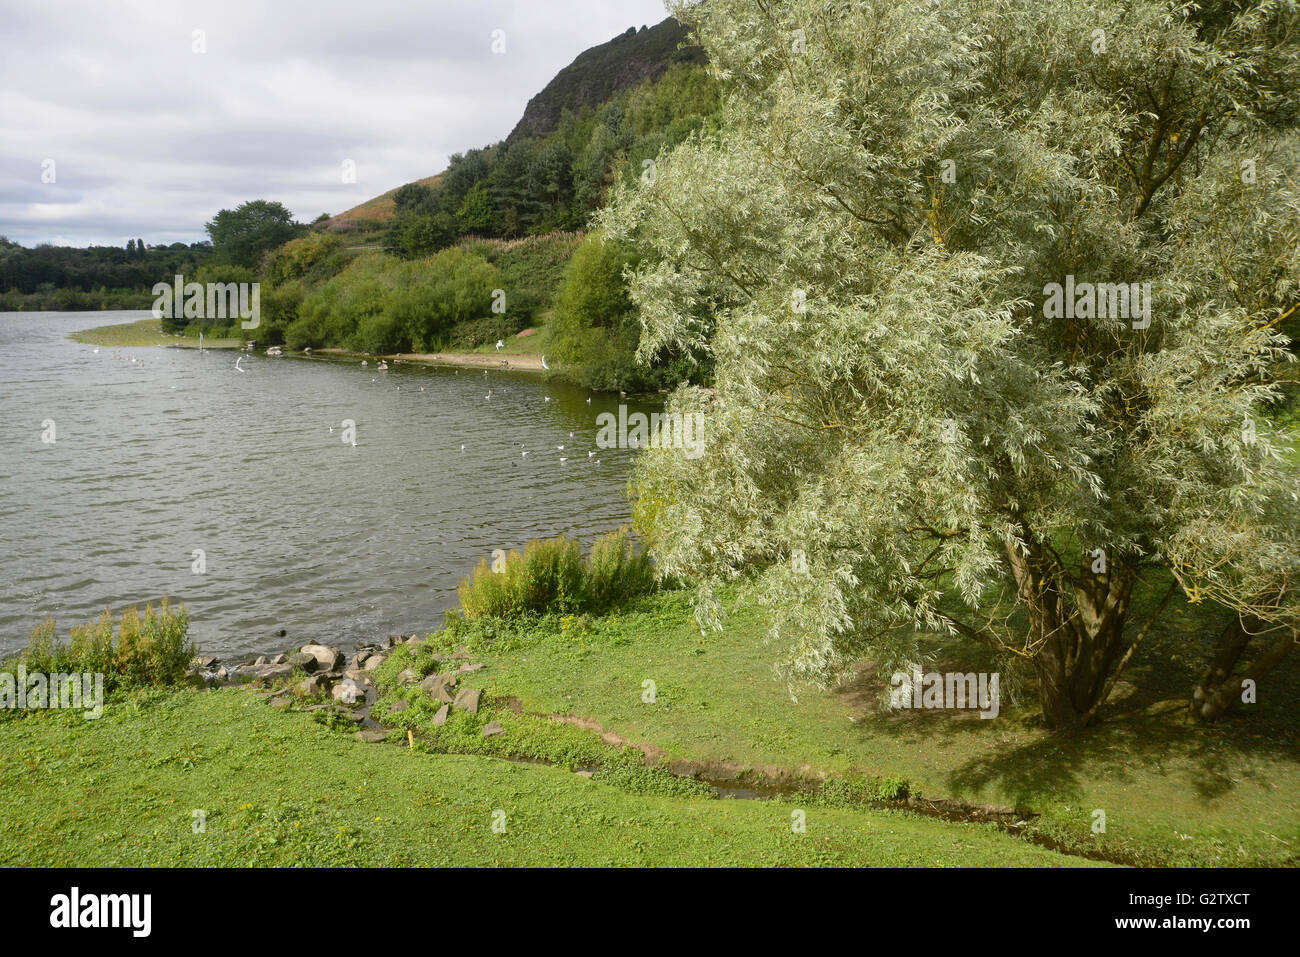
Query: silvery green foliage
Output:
(916,419)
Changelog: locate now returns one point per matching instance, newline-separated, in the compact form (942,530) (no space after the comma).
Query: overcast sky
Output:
(149,138)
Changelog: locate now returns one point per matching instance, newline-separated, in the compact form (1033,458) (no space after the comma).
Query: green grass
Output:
(1174,793)
(280,789)
(145,332)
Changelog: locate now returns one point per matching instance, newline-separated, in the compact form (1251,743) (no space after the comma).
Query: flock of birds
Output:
(383,367)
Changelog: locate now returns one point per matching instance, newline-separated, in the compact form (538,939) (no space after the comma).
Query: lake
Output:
(180,451)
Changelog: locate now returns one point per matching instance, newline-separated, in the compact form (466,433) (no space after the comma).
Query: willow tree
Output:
(994,292)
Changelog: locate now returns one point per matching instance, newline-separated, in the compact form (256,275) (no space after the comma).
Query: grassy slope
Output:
(145,332)
(281,789)
(1173,793)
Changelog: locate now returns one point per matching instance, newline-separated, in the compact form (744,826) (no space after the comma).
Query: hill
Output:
(593,78)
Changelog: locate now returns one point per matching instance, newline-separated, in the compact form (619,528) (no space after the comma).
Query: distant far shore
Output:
(148,332)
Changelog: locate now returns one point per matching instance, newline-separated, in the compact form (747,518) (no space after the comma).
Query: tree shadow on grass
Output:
(1140,735)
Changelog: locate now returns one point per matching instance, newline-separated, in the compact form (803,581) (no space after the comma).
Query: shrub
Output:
(550,576)
(152,649)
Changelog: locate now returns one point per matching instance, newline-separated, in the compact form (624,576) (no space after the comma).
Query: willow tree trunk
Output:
(1221,684)
(1076,625)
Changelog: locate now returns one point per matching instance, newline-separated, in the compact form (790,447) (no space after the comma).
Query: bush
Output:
(550,576)
(149,650)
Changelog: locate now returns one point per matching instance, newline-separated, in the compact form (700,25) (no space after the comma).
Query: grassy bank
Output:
(145,332)
(121,791)
(1173,793)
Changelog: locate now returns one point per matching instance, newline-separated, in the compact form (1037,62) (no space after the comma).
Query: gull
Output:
(563,459)
(237,364)
(544,365)
(489,395)
(525,455)
(590,454)
(560,447)
(462,448)
(96,352)
(547,399)
(570,435)
(588,400)
(331,430)
(500,345)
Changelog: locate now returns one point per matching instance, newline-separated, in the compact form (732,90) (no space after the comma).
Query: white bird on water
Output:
(560,447)
(563,459)
(525,455)
(544,365)
(462,448)
(238,366)
(590,454)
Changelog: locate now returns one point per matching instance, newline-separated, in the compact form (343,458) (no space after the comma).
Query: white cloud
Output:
(151,139)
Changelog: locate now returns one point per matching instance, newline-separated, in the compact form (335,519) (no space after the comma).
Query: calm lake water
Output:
(181,451)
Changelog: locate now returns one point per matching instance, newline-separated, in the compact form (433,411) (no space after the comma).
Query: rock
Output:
(361,657)
(196,678)
(350,692)
(585,774)
(327,657)
(374,661)
(408,677)
(414,640)
(280,702)
(460,654)
(280,659)
(223,674)
(204,661)
(260,660)
(439,687)
(305,662)
(372,736)
(465,669)
(440,718)
(467,699)
(492,728)
(263,673)
(399,706)
(316,684)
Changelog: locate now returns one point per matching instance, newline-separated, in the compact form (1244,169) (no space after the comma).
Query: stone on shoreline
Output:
(467,699)
(305,662)
(327,657)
